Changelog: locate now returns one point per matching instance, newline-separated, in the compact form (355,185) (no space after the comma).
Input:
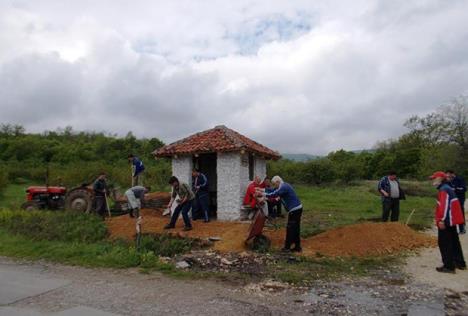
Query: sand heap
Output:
(365,239)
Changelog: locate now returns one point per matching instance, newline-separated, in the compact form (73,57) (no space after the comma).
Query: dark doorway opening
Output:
(206,163)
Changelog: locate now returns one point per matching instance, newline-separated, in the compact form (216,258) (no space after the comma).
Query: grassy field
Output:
(13,196)
(324,207)
(333,206)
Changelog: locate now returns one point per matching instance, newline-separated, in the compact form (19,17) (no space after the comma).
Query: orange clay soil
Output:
(164,196)
(365,239)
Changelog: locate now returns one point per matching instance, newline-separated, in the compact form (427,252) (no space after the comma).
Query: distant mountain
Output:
(299,157)
(364,151)
(307,157)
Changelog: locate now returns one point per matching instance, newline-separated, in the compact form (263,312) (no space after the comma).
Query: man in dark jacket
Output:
(100,189)
(448,215)
(391,194)
(201,203)
(459,187)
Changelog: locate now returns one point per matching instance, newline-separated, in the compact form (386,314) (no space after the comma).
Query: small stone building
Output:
(228,159)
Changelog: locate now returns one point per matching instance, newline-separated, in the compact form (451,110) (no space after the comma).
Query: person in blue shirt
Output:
(294,208)
(459,187)
(137,170)
(202,196)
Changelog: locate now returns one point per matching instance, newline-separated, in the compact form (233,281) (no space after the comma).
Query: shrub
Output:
(3,179)
(59,226)
(167,245)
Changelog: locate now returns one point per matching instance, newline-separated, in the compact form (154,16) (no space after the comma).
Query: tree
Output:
(447,127)
(448,124)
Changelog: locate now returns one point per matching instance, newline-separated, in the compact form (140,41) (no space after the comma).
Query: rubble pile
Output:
(212,261)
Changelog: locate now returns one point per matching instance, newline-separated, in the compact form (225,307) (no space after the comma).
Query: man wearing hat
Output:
(448,215)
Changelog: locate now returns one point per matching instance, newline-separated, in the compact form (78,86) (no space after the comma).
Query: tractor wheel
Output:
(79,200)
(30,206)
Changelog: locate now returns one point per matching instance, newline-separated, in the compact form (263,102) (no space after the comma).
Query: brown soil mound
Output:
(355,240)
(158,195)
(367,239)
(163,196)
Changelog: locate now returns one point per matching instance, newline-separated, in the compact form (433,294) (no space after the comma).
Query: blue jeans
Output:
(184,208)
(201,204)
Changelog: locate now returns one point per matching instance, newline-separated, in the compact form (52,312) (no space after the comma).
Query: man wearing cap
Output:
(448,215)
(391,194)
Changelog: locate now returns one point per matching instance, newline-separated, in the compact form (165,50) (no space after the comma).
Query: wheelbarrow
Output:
(256,227)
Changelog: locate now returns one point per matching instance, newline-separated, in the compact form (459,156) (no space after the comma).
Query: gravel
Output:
(129,292)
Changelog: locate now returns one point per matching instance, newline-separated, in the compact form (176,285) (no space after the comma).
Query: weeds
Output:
(57,226)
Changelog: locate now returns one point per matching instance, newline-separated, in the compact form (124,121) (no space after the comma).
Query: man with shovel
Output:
(100,189)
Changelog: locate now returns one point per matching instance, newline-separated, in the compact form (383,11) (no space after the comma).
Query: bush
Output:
(422,189)
(58,226)
(3,179)
(167,245)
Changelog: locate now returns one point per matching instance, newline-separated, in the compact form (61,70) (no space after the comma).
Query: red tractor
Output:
(55,198)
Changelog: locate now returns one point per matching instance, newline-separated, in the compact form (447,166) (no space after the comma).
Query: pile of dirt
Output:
(153,200)
(365,239)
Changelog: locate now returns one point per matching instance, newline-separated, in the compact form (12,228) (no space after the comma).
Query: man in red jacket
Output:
(250,194)
(448,215)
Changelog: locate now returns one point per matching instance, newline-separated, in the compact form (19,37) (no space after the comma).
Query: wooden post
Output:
(107,204)
(409,217)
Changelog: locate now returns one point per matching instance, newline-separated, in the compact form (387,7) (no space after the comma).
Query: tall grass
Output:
(58,226)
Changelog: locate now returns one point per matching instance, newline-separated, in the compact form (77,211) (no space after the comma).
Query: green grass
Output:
(333,206)
(13,196)
(305,271)
(102,254)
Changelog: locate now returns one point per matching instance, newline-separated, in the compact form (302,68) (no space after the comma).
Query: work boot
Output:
(445,270)
(460,266)
(168,226)
(296,249)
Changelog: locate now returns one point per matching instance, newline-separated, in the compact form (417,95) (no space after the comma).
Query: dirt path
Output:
(422,268)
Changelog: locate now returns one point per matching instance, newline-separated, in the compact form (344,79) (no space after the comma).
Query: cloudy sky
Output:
(298,76)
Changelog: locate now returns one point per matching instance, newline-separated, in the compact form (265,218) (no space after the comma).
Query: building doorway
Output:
(206,163)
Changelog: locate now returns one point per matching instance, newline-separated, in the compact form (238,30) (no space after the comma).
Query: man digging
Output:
(185,201)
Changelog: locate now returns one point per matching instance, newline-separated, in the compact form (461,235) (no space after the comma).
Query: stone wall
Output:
(229,185)
(182,168)
(260,167)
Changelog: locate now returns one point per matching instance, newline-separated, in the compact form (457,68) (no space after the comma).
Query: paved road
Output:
(47,289)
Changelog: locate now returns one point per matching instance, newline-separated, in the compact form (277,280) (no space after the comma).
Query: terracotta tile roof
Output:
(218,139)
